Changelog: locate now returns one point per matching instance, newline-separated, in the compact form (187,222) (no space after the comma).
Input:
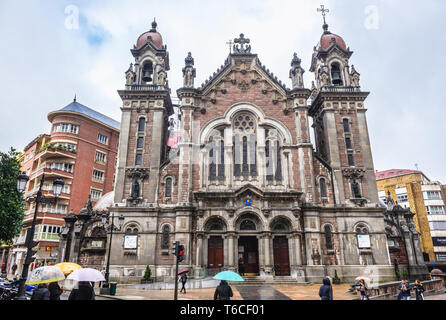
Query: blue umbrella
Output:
(228,276)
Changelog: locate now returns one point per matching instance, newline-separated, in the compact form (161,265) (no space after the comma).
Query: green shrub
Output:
(147,273)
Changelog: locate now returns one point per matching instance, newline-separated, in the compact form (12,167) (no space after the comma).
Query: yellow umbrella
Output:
(68,267)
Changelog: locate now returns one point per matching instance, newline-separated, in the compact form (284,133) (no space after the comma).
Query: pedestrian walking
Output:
(404,290)
(55,291)
(419,290)
(241,266)
(363,289)
(326,291)
(223,291)
(41,292)
(84,291)
(183,279)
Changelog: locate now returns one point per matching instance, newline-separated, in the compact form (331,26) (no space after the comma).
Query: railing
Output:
(340,89)
(145,87)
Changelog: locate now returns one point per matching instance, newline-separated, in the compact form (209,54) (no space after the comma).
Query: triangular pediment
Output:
(248,190)
(245,64)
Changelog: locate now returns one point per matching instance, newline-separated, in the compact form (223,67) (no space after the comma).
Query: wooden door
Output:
(281,256)
(250,254)
(215,252)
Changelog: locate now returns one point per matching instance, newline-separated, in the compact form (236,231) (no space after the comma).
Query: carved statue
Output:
(130,75)
(161,78)
(135,189)
(324,79)
(316,257)
(356,190)
(188,78)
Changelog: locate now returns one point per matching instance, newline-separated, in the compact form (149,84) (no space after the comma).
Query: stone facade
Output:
(245,189)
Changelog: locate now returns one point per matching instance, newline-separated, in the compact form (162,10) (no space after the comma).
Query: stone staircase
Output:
(258,281)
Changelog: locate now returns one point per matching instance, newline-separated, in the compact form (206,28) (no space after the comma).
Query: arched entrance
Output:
(280,227)
(215,227)
(248,245)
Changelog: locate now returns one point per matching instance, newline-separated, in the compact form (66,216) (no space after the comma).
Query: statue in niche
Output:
(161,78)
(130,75)
(135,189)
(356,190)
(316,257)
(324,79)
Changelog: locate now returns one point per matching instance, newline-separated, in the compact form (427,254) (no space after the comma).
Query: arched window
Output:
(323,188)
(346,124)
(247,225)
(336,77)
(141,124)
(361,229)
(245,145)
(273,156)
(217,156)
(328,237)
(165,237)
(168,190)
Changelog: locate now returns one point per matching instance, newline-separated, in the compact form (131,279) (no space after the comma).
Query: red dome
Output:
(155,35)
(327,38)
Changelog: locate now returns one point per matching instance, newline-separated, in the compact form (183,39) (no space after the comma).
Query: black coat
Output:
(419,290)
(223,292)
(55,291)
(84,292)
(325,291)
(41,293)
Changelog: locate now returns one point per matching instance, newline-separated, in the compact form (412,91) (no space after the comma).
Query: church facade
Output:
(245,189)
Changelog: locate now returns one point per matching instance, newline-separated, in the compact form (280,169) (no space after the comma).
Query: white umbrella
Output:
(45,274)
(366,280)
(86,274)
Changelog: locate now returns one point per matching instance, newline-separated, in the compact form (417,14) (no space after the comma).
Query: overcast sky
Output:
(47,56)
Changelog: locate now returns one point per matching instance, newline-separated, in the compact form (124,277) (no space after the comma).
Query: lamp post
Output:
(30,243)
(111,228)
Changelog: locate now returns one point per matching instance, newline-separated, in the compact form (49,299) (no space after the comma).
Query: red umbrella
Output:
(183,271)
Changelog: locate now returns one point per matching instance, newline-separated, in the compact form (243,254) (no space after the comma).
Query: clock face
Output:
(248,202)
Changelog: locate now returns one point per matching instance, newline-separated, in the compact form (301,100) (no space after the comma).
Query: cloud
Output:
(44,64)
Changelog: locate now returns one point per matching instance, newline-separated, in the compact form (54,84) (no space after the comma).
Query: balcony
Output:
(52,151)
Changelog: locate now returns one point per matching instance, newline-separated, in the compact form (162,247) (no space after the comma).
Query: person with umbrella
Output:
(41,276)
(223,290)
(84,289)
(183,279)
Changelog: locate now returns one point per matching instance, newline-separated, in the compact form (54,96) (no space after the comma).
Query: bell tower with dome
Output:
(144,127)
(339,121)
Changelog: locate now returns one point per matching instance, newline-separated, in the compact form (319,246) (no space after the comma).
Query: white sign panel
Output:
(363,241)
(130,242)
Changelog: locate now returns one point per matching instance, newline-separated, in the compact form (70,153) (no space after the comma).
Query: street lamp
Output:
(105,215)
(30,243)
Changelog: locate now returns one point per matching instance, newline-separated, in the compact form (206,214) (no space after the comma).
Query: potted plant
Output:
(336,279)
(147,278)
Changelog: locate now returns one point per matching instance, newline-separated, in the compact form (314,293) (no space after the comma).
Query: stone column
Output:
(199,270)
(231,265)
(268,267)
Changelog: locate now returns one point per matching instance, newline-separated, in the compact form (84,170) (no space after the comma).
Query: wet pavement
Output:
(260,293)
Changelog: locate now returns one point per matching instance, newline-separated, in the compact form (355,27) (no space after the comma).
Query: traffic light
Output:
(180,255)
(175,248)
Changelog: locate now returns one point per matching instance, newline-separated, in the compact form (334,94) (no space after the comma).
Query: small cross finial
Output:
(230,43)
(74,100)
(324,12)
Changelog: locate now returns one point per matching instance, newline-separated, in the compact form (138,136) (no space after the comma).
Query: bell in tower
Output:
(147,72)
(336,75)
